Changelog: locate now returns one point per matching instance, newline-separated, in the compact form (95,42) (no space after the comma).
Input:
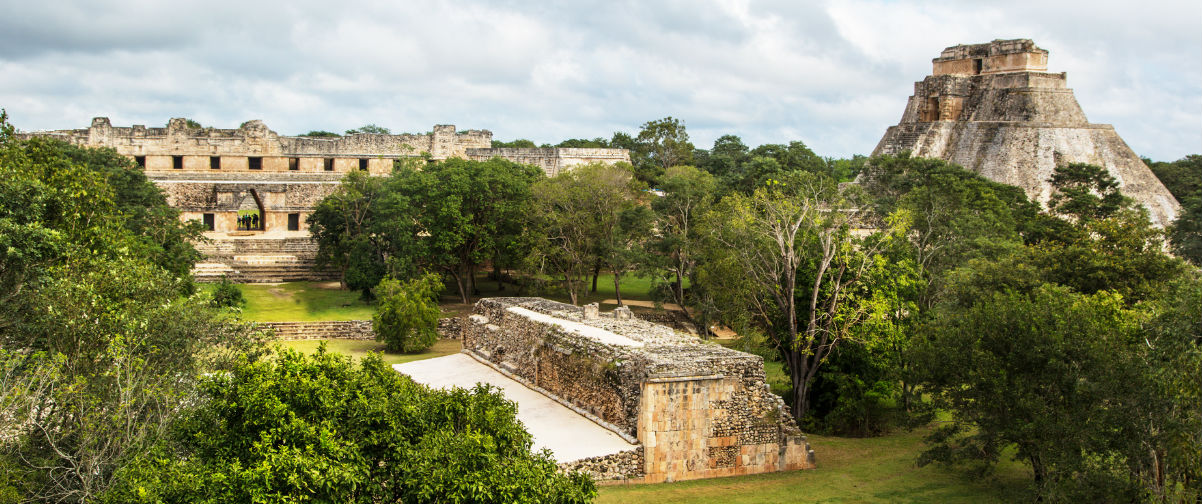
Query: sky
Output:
(831,74)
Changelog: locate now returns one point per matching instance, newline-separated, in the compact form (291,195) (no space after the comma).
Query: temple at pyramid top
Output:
(995,109)
(999,56)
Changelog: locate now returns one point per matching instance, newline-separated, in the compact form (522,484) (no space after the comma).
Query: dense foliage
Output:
(1101,400)
(318,428)
(1183,178)
(586,219)
(406,317)
(227,294)
(448,217)
(100,348)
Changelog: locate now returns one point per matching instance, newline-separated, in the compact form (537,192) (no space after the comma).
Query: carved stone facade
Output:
(698,410)
(994,109)
(214,175)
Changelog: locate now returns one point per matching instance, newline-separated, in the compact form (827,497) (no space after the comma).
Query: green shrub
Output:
(320,429)
(406,318)
(227,295)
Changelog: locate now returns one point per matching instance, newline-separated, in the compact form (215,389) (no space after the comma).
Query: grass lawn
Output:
(301,302)
(319,301)
(633,289)
(359,348)
(849,470)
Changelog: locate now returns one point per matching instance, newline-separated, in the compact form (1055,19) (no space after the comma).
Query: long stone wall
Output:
(699,410)
(448,327)
(553,161)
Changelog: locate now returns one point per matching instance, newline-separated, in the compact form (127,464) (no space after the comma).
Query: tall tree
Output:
(359,227)
(1183,178)
(791,269)
(469,210)
(688,194)
(1100,400)
(666,144)
(578,221)
(100,349)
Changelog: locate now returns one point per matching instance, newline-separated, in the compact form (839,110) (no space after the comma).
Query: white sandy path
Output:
(588,331)
(566,433)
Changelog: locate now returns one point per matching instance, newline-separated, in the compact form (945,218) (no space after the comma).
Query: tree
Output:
(227,295)
(467,213)
(100,347)
(520,143)
(688,194)
(726,157)
(369,129)
(321,429)
(952,214)
(321,134)
(450,217)
(1097,398)
(622,248)
(363,229)
(406,318)
(596,143)
(1183,178)
(791,269)
(1186,232)
(793,157)
(665,144)
(1106,241)
(846,170)
(577,220)
(1085,192)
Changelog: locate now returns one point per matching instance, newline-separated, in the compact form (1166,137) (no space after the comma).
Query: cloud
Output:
(833,75)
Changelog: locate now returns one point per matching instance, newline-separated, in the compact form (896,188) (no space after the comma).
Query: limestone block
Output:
(623,313)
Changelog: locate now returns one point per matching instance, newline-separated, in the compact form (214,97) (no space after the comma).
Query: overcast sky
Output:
(831,74)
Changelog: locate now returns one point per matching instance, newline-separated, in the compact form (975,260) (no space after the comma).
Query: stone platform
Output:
(685,408)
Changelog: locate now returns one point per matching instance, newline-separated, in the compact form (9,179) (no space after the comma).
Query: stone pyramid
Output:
(994,109)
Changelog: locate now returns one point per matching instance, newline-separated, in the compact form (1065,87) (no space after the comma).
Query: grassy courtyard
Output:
(358,349)
(321,301)
(301,302)
(862,470)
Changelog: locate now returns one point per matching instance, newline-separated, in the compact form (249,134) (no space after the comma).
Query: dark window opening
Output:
(362,165)
(177,162)
(255,163)
(294,222)
(141,161)
(977,65)
(293,164)
(214,162)
(329,164)
(209,222)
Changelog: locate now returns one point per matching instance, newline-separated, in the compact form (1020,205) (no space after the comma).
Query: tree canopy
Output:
(318,428)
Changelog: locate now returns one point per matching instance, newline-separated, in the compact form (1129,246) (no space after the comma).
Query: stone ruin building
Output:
(214,175)
(996,110)
(687,409)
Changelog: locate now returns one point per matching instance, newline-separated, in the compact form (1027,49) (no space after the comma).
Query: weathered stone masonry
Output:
(994,109)
(699,410)
(211,174)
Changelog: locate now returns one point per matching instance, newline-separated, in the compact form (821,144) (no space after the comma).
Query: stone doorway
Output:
(251,216)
